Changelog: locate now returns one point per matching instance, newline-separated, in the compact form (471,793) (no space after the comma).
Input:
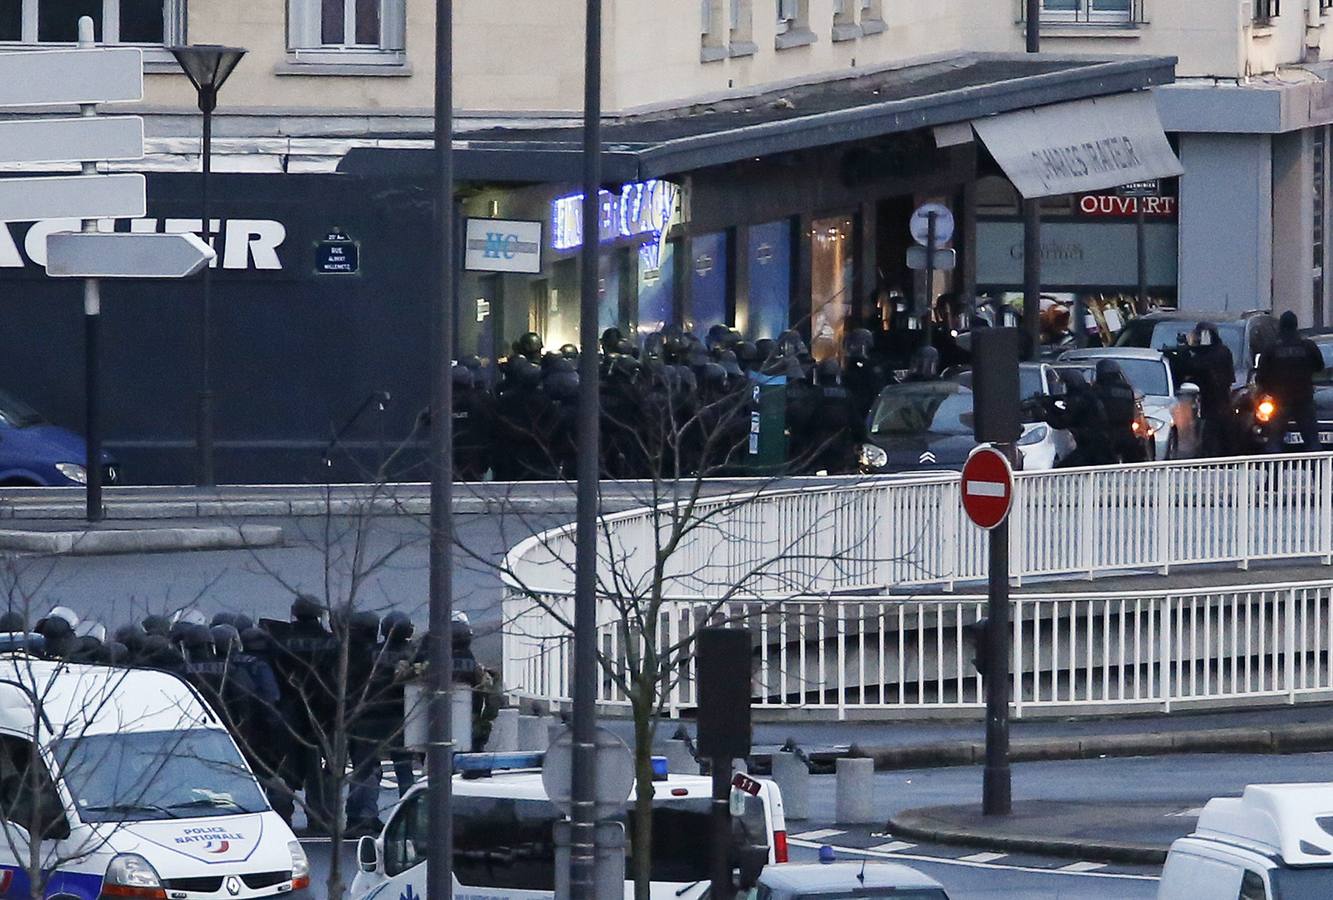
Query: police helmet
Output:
(569,351)
(225,639)
(610,341)
(158,625)
(529,344)
(730,365)
(462,378)
(191,617)
(364,624)
(255,640)
(66,614)
(305,607)
(197,637)
(396,625)
(13,621)
(829,371)
(223,618)
(1108,369)
(242,622)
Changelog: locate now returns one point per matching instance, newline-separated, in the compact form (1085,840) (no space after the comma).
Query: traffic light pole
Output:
(996,790)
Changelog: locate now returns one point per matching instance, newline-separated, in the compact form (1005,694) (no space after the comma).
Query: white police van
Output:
(504,847)
(132,788)
(1273,843)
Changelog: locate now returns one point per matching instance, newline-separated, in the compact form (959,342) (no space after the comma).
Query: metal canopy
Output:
(867,105)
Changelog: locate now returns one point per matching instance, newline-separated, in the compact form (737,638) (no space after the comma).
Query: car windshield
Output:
(939,407)
(15,413)
(1167,334)
(1302,884)
(1148,376)
(876,893)
(1326,351)
(148,775)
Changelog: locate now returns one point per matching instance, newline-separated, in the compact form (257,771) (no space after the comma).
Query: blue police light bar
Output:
(490,762)
(659,768)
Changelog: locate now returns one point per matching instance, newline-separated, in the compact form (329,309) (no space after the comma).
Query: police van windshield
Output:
(509,844)
(1302,884)
(939,407)
(146,775)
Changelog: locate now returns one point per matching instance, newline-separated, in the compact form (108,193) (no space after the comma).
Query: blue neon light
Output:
(641,208)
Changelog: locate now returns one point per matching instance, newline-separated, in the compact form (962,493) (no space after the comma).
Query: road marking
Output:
(892,847)
(1082,867)
(986,489)
(983,857)
(818,835)
(944,861)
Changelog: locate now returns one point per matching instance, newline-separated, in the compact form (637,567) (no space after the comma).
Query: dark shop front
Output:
(787,210)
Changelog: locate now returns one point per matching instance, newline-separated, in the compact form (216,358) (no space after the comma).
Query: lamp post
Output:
(207,66)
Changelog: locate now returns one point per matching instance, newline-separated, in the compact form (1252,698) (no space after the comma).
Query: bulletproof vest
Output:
(1118,400)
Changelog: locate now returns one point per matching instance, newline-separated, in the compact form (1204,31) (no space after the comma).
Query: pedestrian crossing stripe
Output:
(818,835)
(1082,867)
(893,847)
(983,857)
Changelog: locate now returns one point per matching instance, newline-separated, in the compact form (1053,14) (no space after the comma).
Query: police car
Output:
(133,788)
(504,847)
(1273,843)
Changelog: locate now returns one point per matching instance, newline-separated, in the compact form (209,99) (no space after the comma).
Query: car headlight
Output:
(73,471)
(1265,409)
(873,457)
(1034,435)
(130,875)
(300,866)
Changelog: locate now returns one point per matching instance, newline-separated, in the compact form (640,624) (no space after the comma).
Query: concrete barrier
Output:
(793,779)
(504,732)
(855,804)
(533,733)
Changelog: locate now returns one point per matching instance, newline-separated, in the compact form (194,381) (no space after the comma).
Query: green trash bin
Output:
(767,450)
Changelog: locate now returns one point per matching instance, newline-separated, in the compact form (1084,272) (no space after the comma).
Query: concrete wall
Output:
(1226,222)
(1293,224)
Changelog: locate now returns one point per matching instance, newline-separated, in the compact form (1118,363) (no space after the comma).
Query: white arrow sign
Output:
(56,77)
(73,197)
(125,255)
(71,140)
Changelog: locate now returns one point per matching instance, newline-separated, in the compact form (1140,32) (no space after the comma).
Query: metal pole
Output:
(931,225)
(439,751)
(583,831)
(720,863)
(92,320)
(1032,219)
(207,103)
(996,790)
(1141,237)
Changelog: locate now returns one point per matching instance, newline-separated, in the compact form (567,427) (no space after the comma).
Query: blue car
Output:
(36,453)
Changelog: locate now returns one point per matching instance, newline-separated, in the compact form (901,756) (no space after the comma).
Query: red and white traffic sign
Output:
(988,487)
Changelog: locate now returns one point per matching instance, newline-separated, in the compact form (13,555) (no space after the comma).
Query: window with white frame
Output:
(148,22)
(347,31)
(793,25)
(1090,11)
(788,15)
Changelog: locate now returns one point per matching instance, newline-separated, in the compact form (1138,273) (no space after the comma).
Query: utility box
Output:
(767,448)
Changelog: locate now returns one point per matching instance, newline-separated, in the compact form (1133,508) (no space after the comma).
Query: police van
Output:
(504,847)
(129,786)
(1273,843)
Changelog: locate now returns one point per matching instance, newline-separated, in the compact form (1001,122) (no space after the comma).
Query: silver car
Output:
(1172,410)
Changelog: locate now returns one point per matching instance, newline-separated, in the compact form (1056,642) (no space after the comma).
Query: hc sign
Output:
(501,245)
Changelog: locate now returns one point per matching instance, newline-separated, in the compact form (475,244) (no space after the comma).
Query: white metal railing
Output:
(781,554)
(1076,652)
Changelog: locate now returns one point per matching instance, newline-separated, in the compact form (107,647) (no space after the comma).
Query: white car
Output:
(137,791)
(504,847)
(1172,410)
(845,880)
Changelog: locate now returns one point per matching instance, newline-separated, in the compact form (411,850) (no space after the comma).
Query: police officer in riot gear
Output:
(1079,412)
(529,346)
(1208,362)
(268,741)
(366,740)
(392,668)
(1286,371)
(1122,411)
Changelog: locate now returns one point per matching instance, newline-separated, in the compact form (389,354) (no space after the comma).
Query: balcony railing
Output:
(1094,12)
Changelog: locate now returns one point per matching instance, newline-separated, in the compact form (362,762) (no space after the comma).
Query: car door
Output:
(405,848)
(31,809)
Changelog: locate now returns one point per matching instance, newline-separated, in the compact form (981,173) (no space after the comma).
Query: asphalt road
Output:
(381,562)
(969,874)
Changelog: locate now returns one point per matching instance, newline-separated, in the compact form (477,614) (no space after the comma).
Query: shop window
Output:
(151,22)
(346,32)
(832,251)
(709,282)
(767,309)
(997,197)
(793,25)
(657,290)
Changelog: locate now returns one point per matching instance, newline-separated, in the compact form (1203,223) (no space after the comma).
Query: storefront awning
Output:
(1080,147)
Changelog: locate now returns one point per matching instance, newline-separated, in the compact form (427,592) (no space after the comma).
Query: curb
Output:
(1276,739)
(917,823)
(110,541)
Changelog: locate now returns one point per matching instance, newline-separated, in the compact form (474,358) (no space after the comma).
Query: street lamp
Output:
(207,66)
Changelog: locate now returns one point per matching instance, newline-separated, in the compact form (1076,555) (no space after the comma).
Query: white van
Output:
(136,789)
(504,845)
(1273,843)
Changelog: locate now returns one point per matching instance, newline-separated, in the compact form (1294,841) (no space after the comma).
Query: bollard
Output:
(679,759)
(855,792)
(504,732)
(793,779)
(532,733)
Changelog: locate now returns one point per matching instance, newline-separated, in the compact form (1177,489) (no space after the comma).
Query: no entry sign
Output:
(988,487)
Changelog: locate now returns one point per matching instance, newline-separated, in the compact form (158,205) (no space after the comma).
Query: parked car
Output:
(1171,411)
(845,880)
(36,453)
(928,425)
(1275,842)
(1246,335)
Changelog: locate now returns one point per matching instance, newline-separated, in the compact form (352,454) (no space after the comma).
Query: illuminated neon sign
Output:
(642,208)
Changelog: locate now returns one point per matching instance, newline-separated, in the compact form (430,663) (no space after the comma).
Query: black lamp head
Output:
(207,66)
